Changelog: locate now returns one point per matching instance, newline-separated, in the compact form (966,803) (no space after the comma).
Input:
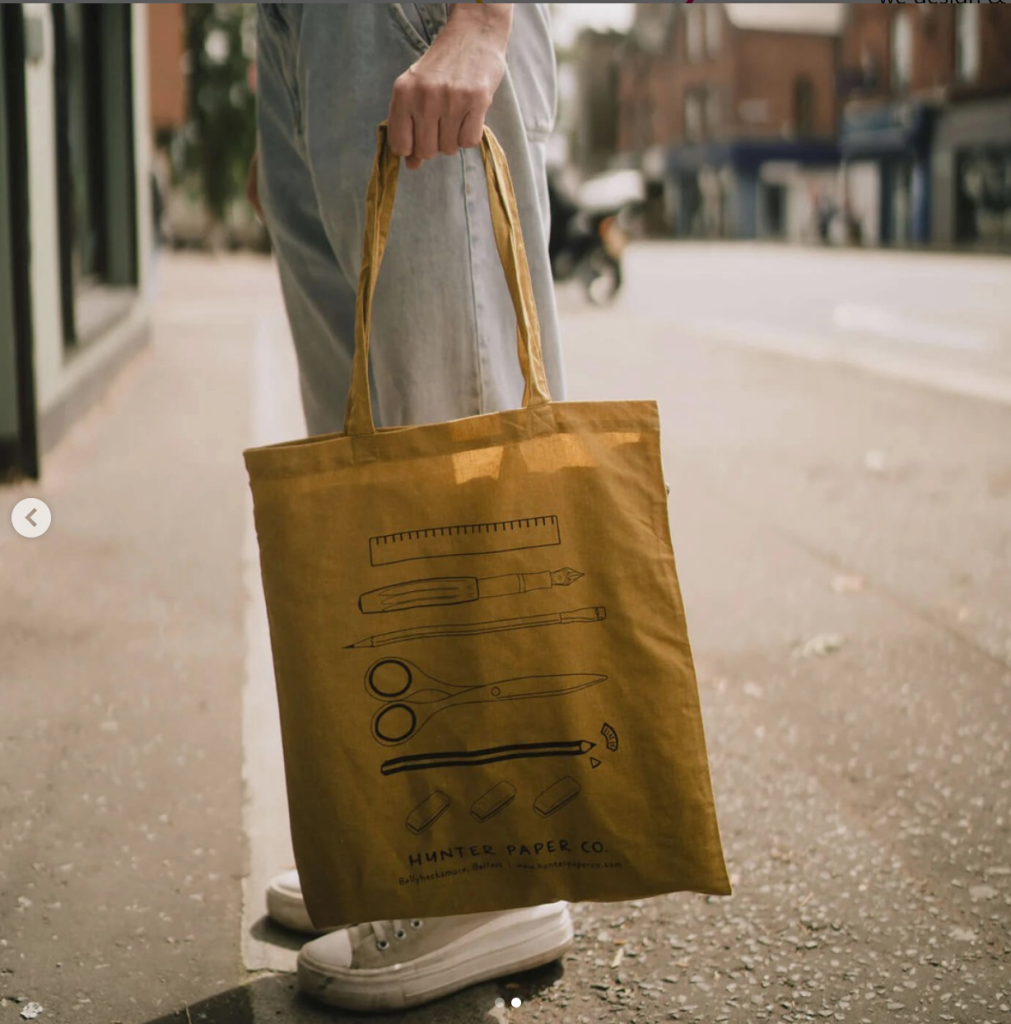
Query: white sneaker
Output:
(285,904)
(392,965)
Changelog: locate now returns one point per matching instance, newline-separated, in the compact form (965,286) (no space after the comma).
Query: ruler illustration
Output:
(474,539)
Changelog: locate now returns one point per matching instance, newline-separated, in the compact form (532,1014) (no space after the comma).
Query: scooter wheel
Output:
(602,279)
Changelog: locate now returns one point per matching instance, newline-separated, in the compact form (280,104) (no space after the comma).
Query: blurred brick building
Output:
(883,124)
(594,116)
(168,89)
(166,52)
(926,123)
(733,116)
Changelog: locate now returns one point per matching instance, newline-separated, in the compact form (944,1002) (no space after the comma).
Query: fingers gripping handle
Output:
(512,254)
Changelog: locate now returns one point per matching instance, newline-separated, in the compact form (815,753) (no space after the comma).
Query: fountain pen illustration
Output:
(446,590)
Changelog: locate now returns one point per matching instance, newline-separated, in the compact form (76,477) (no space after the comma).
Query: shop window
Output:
(714,110)
(803,106)
(94,138)
(967,42)
(902,50)
(693,116)
(774,210)
(714,28)
(983,196)
(18,433)
(694,30)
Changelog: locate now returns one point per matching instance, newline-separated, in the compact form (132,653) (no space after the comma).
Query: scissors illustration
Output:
(412,697)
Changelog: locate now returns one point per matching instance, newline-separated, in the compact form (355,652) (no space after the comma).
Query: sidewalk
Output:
(863,791)
(123,660)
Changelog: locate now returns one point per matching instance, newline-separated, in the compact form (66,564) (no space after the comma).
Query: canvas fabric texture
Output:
(486,689)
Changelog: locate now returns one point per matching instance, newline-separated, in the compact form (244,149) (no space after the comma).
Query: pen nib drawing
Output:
(565,577)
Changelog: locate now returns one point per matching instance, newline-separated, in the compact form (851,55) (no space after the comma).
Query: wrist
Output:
(490,24)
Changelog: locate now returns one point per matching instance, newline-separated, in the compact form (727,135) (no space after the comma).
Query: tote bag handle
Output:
(509,242)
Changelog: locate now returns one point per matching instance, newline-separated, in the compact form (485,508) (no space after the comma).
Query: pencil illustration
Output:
(446,590)
(491,755)
(477,628)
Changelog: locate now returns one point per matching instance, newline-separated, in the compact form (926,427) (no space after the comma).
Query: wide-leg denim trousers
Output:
(444,332)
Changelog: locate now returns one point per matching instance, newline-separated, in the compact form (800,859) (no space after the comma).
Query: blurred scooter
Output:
(586,245)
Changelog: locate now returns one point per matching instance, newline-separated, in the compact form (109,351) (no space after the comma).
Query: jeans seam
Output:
(284,44)
(478,340)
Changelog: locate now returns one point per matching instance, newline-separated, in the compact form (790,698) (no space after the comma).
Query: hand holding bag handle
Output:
(509,242)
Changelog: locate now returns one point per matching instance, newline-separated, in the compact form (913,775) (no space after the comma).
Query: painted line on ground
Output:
(991,387)
(888,323)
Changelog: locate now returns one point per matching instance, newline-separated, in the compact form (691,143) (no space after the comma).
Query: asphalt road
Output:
(843,534)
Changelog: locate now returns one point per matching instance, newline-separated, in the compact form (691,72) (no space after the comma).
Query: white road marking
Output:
(989,386)
(900,327)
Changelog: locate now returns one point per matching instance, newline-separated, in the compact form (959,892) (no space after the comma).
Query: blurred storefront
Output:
(926,125)
(887,179)
(972,171)
(732,116)
(74,214)
(749,188)
(863,124)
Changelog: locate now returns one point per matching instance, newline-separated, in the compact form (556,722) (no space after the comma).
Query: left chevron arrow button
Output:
(31,517)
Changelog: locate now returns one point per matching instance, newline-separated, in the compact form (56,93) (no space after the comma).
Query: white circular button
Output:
(31,517)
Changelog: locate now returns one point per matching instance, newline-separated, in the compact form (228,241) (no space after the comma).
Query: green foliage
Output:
(221,133)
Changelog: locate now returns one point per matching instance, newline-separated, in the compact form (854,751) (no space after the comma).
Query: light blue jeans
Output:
(444,332)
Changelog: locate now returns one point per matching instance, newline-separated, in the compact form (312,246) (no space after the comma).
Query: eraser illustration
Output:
(425,814)
(556,796)
(498,798)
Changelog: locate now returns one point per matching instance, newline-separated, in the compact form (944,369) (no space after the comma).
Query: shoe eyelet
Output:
(400,934)
(416,924)
(382,944)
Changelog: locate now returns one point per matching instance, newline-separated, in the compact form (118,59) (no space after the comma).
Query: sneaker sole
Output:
(505,946)
(288,910)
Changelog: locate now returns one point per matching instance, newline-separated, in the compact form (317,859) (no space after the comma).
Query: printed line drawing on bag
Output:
(495,801)
(490,755)
(578,615)
(411,697)
(472,539)
(428,812)
(449,590)
(556,796)
(610,735)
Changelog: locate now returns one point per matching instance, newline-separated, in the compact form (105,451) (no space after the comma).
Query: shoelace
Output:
(396,929)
